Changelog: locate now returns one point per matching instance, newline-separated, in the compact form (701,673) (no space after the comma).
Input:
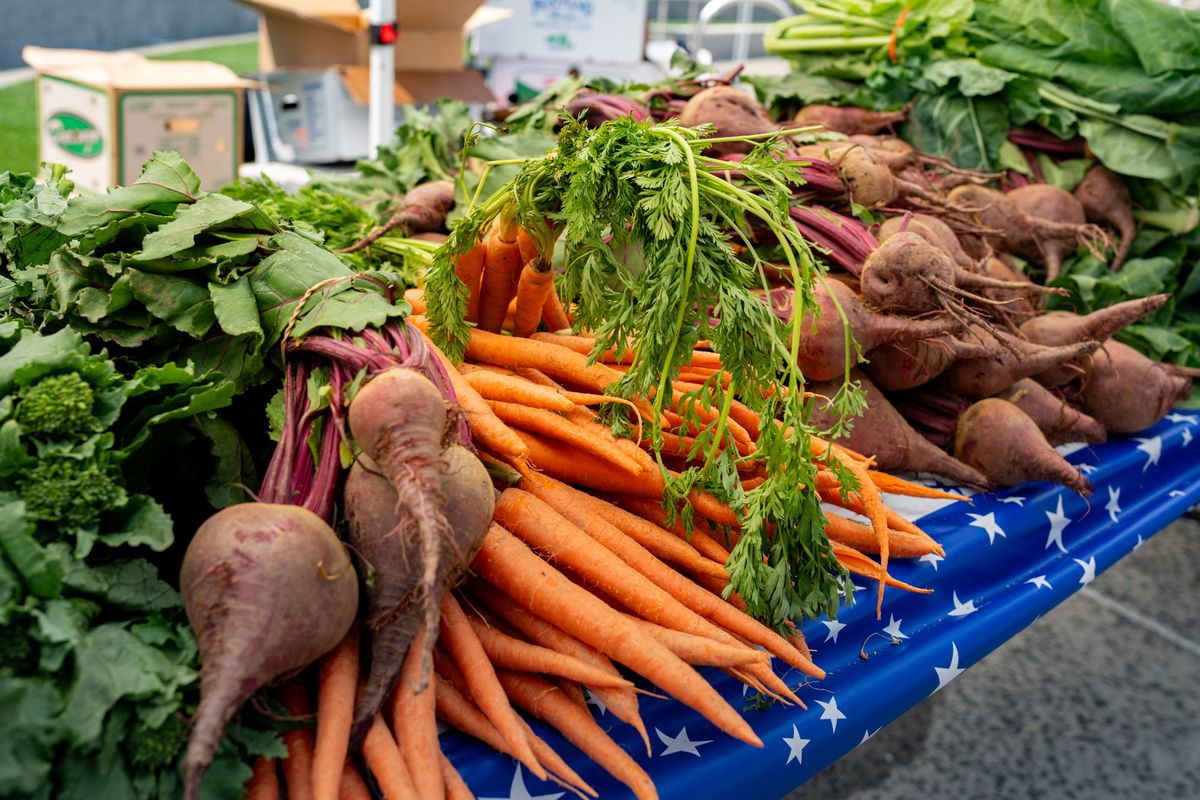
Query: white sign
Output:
(575,31)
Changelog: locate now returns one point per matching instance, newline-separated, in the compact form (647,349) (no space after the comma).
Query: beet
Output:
(847,119)
(1002,442)
(881,432)
(1014,359)
(822,342)
(600,108)
(732,112)
(268,589)
(423,210)
(896,367)
(1058,421)
(1064,327)
(1105,199)
(932,230)
(1127,392)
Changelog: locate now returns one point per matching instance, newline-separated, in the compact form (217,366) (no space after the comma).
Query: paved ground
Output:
(1100,699)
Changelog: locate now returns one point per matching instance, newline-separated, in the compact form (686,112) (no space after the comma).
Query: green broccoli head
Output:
(154,749)
(71,492)
(58,406)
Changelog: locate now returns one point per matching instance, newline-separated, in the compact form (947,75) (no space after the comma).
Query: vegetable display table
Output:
(1011,556)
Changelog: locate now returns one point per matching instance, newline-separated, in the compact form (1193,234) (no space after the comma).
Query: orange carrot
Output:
(697,537)
(414,720)
(860,564)
(507,652)
(623,703)
(554,314)
(512,389)
(890,484)
(550,705)
(416,299)
(485,425)
(501,267)
(298,765)
(533,289)
(464,647)
(264,780)
(386,763)
(700,650)
(526,245)
(549,424)
(860,537)
(352,786)
(873,509)
(796,637)
(456,787)
(469,269)
(336,687)
(513,568)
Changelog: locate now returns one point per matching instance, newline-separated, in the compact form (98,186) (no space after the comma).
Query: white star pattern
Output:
(893,627)
(1177,417)
(1015,500)
(594,699)
(795,747)
(1058,523)
(947,674)
(1175,493)
(1152,447)
(1113,506)
(1089,570)
(932,560)
(1040,582)
(868,735)
(834,627)
(988,523)
(1086,469)
(963,609)
(518,791)
(1139,542)
(680,743)
(1187,436)
(831,712)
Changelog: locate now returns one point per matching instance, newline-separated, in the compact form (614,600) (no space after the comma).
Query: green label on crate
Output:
(75,135)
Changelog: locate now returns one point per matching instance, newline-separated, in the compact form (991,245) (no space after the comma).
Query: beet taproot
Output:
(1001,441)
(1013,359)
(847,119)
(896,367)
(1127,392)
(268,589)
(732,112)
(1058,420)
(1105,200)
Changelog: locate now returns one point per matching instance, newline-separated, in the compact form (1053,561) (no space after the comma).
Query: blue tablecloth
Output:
(1011,556)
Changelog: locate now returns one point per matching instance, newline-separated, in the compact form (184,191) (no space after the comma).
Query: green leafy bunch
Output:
(647,226)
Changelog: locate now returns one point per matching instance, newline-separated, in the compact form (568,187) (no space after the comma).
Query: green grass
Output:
(18,109)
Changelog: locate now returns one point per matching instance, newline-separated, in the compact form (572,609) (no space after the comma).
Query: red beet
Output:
(1105,199)
(896,367)
(1127,392)
(1013,360)
(848,119)
(732,111)
(1002,442)
(268,589)
(1057,420)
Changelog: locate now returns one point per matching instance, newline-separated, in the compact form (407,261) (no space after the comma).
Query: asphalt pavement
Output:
(1097,700)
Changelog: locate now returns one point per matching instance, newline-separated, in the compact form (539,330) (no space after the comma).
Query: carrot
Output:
(485,425)
(527,246)
(549,424)
(890,484)
(501,268)
(585,510)
(535,375)
(533,289)
(860,537)
(464,647)
(623,703)
(456,787)
(699,650)
(383,758)
(414,719)
(656,514)
(853,502)
(352,786)
(459,712)
(512,567)
(298,765)
(337,683)
(860,564)
(416,299)
(587,419)
(264,780)
(550,705)
(797,640)
(512,389)
(554,314)
(469,268)
(508,652)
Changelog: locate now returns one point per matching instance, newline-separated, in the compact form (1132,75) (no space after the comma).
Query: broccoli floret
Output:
(59,406)
(70,492)
(154,749)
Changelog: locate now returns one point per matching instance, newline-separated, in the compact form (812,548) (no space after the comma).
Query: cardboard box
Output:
(575,31)
(103,114)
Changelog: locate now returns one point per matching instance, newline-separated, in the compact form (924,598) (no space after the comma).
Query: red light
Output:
(387,33)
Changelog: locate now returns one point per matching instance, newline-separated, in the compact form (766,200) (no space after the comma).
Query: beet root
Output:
(881,432)
(1127,392)
(732,112)
(848,119)
(1064,327)
(1058,421)
(1105,199)
(823,351)
(1002,442)
(1014,359)
(932,230)
(268,589)
(896,367)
